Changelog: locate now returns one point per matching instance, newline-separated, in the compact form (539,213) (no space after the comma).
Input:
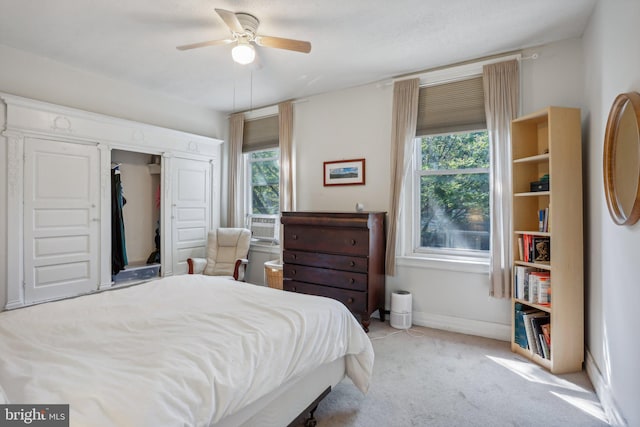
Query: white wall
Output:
(350,124)
(45,79)
(556,77)
(356,123)
(612,66)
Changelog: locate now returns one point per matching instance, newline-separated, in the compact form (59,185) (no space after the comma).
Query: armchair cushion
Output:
(226,247)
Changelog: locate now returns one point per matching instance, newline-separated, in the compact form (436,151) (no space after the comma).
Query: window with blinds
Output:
(261,150)
(451,107)
(451,192)
(260,134)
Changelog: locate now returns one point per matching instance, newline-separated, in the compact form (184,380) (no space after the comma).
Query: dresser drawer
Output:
(355,301)
(348,241)
(324,276)
(337,262)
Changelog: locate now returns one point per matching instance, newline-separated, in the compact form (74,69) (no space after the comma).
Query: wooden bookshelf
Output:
(549,142)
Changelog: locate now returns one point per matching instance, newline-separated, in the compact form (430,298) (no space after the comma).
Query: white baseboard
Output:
(496,331)
(607,401)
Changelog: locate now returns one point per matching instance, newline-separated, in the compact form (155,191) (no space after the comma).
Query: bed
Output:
(187,350)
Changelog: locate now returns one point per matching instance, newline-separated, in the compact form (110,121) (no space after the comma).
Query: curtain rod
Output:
(266,111)
(457,64)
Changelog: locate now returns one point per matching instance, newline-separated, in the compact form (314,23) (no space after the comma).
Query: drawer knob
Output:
(295,256)
(293,271)
(352,280)
(352,263)
(294,236)
(350,300)
(353,242)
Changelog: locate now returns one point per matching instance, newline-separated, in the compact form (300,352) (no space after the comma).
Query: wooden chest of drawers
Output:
(338,255)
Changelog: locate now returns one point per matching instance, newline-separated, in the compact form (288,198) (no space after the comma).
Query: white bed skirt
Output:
(282,407)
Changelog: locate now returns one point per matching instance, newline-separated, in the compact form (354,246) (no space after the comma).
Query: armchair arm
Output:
(196,265)
(238,272)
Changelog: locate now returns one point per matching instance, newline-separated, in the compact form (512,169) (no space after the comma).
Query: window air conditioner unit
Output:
(264,227)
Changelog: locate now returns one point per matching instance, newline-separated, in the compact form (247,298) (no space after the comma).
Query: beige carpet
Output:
(446,379)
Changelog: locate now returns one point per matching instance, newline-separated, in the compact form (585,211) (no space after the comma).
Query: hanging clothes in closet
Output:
(118,247)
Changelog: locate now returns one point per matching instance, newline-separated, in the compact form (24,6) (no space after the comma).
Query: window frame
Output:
(414,190)
(248,182)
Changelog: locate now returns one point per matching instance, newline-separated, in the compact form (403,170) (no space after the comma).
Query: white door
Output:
(61,219)
(191,214)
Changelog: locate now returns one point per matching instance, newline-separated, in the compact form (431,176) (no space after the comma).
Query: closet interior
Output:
(135,216)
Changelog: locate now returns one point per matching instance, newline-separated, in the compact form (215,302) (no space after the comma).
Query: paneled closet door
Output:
(191,210)
(61,219)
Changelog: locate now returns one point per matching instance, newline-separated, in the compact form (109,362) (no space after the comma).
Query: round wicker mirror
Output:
(622,159)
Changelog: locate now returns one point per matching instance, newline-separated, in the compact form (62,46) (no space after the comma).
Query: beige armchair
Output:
(227,250)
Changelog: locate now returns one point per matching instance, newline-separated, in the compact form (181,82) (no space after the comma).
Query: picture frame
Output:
(344,172)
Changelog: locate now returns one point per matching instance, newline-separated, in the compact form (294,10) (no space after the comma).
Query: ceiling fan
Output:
(244,29)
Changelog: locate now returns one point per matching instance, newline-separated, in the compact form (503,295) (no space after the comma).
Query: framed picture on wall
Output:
(344,172)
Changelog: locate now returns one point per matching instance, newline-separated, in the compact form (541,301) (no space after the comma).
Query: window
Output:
(263,182)
(451,192)
(450,186)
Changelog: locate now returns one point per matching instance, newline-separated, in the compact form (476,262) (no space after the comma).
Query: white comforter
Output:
(184,350)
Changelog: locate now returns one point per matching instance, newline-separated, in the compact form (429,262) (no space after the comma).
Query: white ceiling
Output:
(353,41)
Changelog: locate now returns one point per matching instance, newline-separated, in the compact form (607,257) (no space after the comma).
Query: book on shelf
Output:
(538,279)
(540,287)
(534,249)
(520,248)
(526,247)
(532,335)
(519,332)
(546,334)
(536,325)
(543,220)
(532,285)
(541,249)
(544,288)
(521,281)
(546,219)
(532,340)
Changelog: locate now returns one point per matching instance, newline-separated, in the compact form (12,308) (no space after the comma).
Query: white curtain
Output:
(403,132)
(234,207)
(287,195)
(501,98)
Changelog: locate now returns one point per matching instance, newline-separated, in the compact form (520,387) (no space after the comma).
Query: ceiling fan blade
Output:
(280,43)
(231,20)
(203,44)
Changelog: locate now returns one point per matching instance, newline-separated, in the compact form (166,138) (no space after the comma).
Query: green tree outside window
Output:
(454,191)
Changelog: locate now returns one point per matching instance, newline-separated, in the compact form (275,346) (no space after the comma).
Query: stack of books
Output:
(532,285)
(533,330)
(534,249)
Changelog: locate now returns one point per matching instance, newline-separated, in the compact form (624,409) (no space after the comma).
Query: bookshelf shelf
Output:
(540,307)
(548,143)
(533,233)
(539,265)
(533,194)
(541,361)
(533,159)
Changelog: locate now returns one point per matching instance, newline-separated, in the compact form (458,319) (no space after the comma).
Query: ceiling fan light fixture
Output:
(243,53)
